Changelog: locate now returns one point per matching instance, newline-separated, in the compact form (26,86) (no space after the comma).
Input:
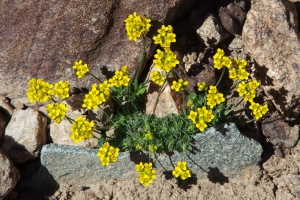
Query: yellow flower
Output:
(81,129)
(238,70)
(152,148)
(61,89)
(247,90)
(157,78)
(137,26)
(119,79)
(201,86)
(165,36)
(220,60)
(81,69)
(108,154)
(201,117)
(148,136)
(165,60)
(57,111)
(190,103)
(182,171)
(146,173)
(38,90)
(180,85)
(258,110)
(96,96)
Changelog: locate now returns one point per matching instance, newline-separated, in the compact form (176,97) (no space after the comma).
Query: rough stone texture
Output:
(280,133)
(271,37)
(25,135)
(5,104)
(4,119)
(9,175)
(166,104)
(42,39)
(221,152)
(232,18)
(212,31)
(285,173)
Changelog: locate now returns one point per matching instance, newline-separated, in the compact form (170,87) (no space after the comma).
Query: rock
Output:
(167,103)
(25,135)
(221,151)
(280,133)
(42,39)
(9,175)
(273,42)
(232,18)
(212,31)
(285,173)
(4,119)
(236,43)
(6,105)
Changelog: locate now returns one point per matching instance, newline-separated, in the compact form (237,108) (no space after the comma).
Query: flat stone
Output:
(222,150)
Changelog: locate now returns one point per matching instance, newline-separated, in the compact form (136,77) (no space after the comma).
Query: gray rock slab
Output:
(222,151)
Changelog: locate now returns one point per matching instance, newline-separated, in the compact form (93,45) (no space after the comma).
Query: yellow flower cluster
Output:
(38,90)
(146,173)
(57,111)
(190,103)
(214,97)
(137,26)
(201,86)
(165,36)
(238,70)
(81,69)
(247,90)
(81,129)
(201,117)
(157,78)
(108,154)
(148,136)
(96,96)
(258,110)
(182,171)
(220,60)
(61,89)
(120,78)
(152,148)
(165,60)
(180,85)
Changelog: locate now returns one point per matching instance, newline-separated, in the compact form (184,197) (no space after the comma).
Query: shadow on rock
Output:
(215,176)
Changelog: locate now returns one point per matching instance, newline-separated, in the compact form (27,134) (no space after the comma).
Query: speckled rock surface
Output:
(222,152)
(271,37)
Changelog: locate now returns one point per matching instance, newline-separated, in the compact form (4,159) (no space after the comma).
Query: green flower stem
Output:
(229,111)
(251,120)
(234,84)
(223,72)
(119,103)
(159,93)
(141,62)
(53,99)
(159,162)
(69,119)
(97,134)
(107,116)
(95,77)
